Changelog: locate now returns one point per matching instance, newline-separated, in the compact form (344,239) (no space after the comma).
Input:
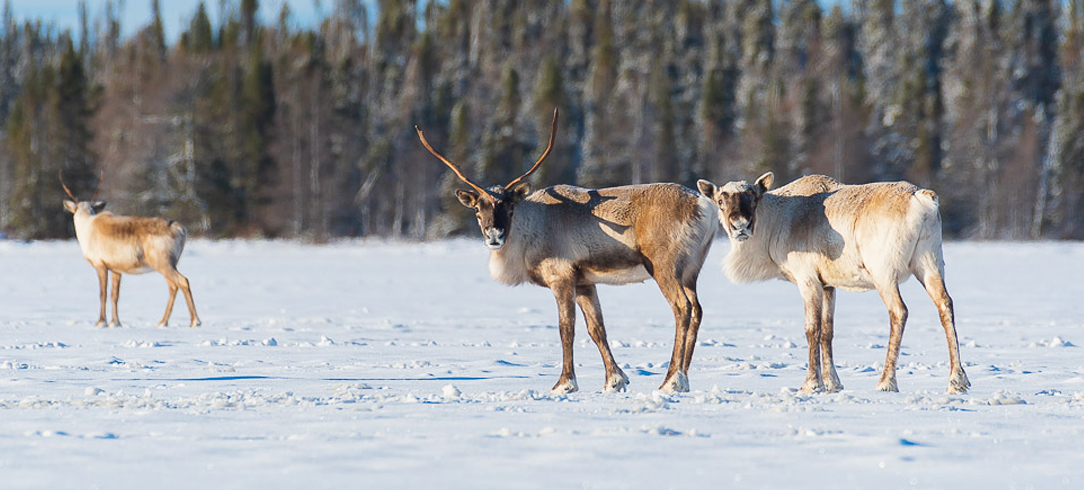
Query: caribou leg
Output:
(828,313)
(935,286)
(565,294)
(813,297)
(587,298)
(897,315)
(116,299)
(103,287)
(676,379)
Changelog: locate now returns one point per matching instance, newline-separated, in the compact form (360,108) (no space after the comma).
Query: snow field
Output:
(397,365)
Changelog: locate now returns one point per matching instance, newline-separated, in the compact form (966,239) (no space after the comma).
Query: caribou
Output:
(569,239)
(116,245)
(822,235)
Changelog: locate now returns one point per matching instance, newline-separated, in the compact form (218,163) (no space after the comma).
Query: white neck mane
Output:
(508,265)
(751,260)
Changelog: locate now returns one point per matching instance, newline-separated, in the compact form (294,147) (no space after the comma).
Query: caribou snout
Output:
(741,230)
(494,238)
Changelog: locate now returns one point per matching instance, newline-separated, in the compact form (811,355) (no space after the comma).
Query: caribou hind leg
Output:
(897,315)
(676,379)
(176,281)
(935,287)
(696,314)
(169,303)
(587,298)
(182,282)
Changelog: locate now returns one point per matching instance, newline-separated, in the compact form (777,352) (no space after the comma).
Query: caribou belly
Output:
(616,276)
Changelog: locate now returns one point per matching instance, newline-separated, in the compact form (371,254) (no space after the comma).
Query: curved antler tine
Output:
(553,136)
(101,180)
(60,173)
(458,172)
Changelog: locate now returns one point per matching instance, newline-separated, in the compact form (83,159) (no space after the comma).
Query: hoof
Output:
(616,383)
(195,323)
(100,324)
(565,386)
(888,385)
(832,384)
(959,383)
(115,324)
(678,383)
(811,386)
(163,324)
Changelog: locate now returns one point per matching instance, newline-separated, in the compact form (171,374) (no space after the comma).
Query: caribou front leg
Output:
(828,370)
(566,312)
(813,297)
(103,292)
(116,299)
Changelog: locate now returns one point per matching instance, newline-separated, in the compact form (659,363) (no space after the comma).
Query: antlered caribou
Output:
(822,235)
(116,244)
(569,239)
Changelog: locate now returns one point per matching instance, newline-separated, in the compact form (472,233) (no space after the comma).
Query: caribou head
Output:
(737,203)
(495,205)
(91,207)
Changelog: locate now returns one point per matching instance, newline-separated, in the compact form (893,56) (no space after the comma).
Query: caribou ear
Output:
(98,206)
(706,188)
(520,192)
(765,182)
(467,198)
(70,206)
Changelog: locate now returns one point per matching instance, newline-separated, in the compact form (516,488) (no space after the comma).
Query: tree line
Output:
(271,129)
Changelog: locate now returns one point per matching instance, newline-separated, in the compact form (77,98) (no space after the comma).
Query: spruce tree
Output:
(48,132)
(199,38)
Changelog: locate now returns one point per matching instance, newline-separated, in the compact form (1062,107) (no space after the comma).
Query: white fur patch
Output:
(570,386)
(507,266)
(617,277)
(749,261)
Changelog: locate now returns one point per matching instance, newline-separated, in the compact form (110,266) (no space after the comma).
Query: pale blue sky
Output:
(175,13)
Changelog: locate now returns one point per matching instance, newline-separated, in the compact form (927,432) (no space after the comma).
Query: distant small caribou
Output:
(569,239)
(122,244)
(820,235)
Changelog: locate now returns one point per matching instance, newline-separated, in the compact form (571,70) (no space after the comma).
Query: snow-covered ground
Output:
(394,365)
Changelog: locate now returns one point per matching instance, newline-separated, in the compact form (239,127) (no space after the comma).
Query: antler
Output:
(450,165)
(101,180)
(553,135)
(60,173)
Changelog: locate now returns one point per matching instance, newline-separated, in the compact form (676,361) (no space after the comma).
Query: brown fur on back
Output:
(131,228)
(604,231)
(822,235)
(847,226)
(133,245)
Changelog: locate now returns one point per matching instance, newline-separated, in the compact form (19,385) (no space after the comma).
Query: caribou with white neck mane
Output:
(569,239)
(820,235)
(122,244)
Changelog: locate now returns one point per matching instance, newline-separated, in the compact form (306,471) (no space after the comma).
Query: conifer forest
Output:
(243,127)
